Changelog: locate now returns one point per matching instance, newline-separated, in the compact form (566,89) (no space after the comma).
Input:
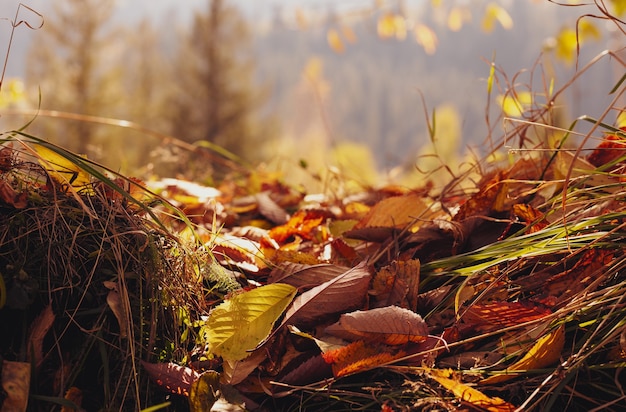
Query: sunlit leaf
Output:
(243,321)
(469,394)
(515,105)
(619,7)
(334,41)
(566,45)
(391,25)
(545,352)
(426,37)
(390,325)
(358,357)
(61,168)
(496,14)
(303,276)
(457,17)
(345,292)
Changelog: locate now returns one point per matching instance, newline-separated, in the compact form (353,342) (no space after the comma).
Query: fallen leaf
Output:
(173,378)
(468,394)
(15,380)
(240,323)
(545,352)
(504,314)
(299,275)
(390,325)
(397,284)
(75,396)
(204,392)
(116,303)
(62,169)
(358,357)
(39,328)
(347,291)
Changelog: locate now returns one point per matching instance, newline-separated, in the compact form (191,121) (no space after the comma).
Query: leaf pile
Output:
(80,275)
(447,295)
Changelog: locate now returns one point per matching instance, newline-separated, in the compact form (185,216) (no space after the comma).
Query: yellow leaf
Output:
(515,105)
(457,17)
(391,25)
(566,45)
(62,169)
(240,323)
(385,26)
(426,37)
(204,392)
(495,13)
(588,31)
(334,41)
(469,394)
(545,352)
(619,7)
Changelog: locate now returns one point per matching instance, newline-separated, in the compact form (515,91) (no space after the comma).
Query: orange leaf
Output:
(609,150)
(302,224)
(504,314)
(358,357)
(469,394)
(488,198)
(545,352)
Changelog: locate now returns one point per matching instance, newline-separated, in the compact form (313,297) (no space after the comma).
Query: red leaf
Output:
(504,314)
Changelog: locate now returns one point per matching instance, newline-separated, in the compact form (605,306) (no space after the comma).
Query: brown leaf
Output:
(40,327)
(395,212)
(118,307)
(390,325)
(609,150)
(270,209)
(236,371)
(10,197)
(75,396)
(300,275)
(171,377)
(312,370)
(345,292)
(397,284)
(488,198)
(15,381)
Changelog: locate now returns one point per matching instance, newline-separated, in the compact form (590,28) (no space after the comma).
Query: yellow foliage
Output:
(457,17)
(568,41)
(13,93)
(62,169)
(334,41)
(619,7)
(495,13)
(391,25)
(515,105)
(426,38)
(469,394)
(545,352)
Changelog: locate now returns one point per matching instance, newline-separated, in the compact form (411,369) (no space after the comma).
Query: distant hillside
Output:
(375,84)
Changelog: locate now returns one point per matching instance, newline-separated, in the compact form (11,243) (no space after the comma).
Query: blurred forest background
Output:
(349,85)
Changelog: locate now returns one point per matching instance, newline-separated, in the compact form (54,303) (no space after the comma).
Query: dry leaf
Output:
(347,291)
(359,357)
(75,396)
(15,381)
(305,276)
(39,328)
(397,284)
(116,303)
(171,377)
(545,352)
(390,325)
(468,394)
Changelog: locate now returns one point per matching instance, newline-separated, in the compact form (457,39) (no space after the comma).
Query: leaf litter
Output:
(503,290)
